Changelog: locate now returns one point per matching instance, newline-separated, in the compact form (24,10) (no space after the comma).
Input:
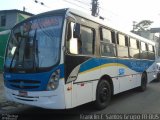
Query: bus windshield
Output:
(34,45)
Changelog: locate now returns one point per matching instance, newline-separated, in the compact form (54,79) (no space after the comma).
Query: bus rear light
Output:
(54,80)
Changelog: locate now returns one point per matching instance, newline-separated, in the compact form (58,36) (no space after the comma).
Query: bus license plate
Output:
(23,93)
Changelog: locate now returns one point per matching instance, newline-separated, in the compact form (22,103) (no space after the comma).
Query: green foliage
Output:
(143,25)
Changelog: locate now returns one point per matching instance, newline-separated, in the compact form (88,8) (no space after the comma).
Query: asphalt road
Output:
(129,102)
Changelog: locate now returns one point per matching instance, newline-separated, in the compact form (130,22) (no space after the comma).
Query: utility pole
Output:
(134,25)
(24,8)
(95,9)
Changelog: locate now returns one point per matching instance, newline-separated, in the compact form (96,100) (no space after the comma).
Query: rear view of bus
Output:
(33,68)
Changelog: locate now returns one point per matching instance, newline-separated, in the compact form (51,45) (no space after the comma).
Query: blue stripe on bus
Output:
(136,65)
(43,78)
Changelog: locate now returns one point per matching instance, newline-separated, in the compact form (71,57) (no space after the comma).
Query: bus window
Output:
(122,48)
(108,50)
(143,46)
(83,45)
(150,48)
(107,38)
(133,43)
(151,53)
(144,53)
(87,40)
(134,48)
(121,40)
(107,35)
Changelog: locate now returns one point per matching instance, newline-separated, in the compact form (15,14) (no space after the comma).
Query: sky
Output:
(119,12)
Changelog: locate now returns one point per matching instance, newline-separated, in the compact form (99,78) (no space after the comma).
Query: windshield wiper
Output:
(35,44)
(16,51)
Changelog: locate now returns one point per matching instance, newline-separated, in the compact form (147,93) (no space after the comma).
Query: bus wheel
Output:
(143,83)
(158,77)
(103,94)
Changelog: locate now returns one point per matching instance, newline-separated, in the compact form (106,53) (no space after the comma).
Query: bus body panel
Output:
(151,71)
(125,75)
(44,99)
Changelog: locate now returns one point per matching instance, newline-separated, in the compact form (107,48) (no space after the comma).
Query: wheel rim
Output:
(103,94)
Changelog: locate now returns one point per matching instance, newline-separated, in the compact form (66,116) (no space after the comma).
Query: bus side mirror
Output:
(77,31)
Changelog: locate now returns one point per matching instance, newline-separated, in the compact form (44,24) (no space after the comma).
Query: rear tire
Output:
(103,94)
(143,86)
(158,77)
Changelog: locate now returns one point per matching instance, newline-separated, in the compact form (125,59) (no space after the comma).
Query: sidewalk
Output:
(2,96)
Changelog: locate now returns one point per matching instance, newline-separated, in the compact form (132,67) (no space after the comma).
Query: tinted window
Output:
(107,35)
(144,55)
(122,48)
(151,53)
(144,51)
(35,45)
(134,53)
(134,48)
(87,40)
(122,51)
(107,39)
(151,56)
(121,40)
(108,50)
(143,46)
(150,48)
(133,43)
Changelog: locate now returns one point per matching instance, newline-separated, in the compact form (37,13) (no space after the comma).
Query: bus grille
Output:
(24,84)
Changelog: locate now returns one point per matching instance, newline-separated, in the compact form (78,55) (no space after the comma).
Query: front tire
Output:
(143,86)
(103,95)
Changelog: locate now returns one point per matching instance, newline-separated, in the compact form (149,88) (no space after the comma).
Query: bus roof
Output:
(107,24)
(94,19)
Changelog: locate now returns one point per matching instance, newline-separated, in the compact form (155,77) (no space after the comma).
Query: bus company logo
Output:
(121,71)
(21,84)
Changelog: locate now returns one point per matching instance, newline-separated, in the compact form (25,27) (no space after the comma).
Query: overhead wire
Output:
(84,3)
(75,4)
(108,11)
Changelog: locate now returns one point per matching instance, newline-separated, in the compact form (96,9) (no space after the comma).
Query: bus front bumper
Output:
(44,99)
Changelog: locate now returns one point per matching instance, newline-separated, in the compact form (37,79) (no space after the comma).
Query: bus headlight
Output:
(54,80)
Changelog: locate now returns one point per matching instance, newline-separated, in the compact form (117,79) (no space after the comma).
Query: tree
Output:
(143,25)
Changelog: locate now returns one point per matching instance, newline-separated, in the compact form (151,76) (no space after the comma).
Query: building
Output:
(151,35)
(9,18)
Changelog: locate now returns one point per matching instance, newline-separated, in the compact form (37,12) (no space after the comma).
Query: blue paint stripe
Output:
(136,65)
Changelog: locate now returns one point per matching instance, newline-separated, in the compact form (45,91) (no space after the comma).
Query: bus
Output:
(64,58)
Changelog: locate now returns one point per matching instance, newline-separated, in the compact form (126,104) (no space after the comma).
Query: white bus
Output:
(64,58)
